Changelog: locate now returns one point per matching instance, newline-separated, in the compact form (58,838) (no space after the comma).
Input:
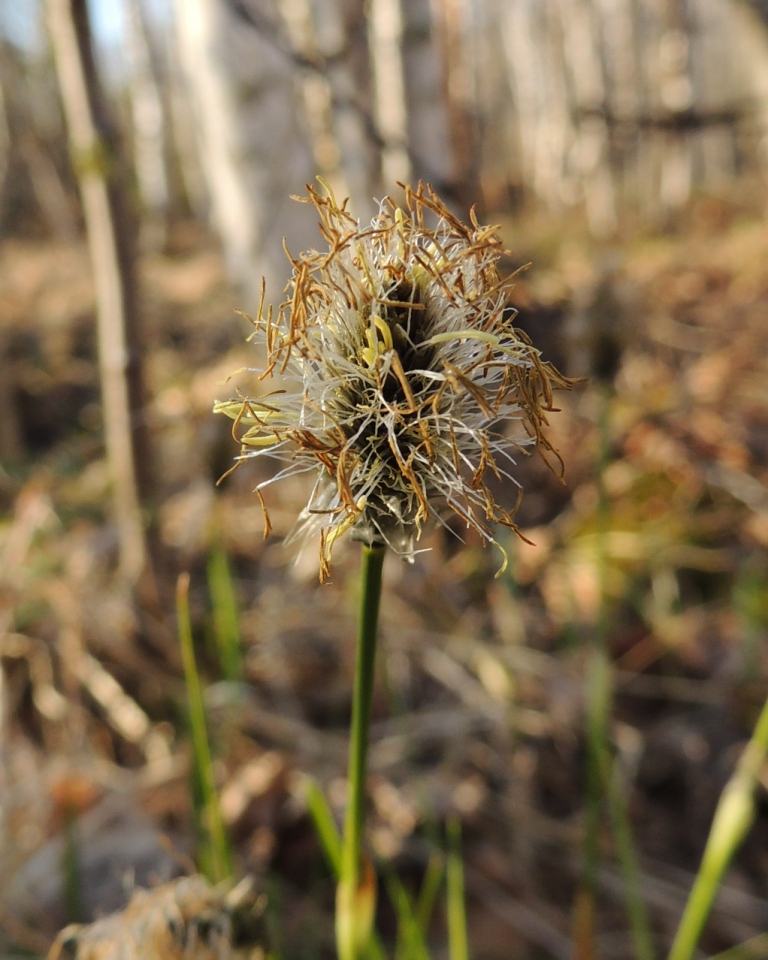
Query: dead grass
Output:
(479,708)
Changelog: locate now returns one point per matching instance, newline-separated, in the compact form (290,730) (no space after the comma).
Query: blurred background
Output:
(148,152)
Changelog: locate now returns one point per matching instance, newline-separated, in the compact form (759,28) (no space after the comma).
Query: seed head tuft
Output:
(404,385)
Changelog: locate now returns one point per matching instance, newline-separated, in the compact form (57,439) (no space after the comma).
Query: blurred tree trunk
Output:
(109,232)
(184,146)
(254,148)
(50,192)
(26,154)
(632,101)
(493,108)
(583,64)
(5,139)
(342,38)
(428,132)
(148,128)
(456,35)
(542,121)
(386,43)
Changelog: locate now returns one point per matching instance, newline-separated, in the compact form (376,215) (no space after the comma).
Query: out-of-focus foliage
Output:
(649,277)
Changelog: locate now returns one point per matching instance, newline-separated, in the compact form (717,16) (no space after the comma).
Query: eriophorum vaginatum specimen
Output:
(401,383)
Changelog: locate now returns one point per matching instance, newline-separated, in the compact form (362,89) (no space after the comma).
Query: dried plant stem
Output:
(355,900)
(733,818)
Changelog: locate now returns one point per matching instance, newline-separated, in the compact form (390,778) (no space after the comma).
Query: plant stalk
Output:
(734,816)
(355,900)
(603,781)
(218,864)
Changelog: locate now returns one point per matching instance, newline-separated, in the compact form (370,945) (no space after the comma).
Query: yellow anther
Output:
(260,440)
(336,532)
(505,561)
(364,266)
(369,353)
(376,347)
(400,227)
(386,334)
(323,182)
(464,335)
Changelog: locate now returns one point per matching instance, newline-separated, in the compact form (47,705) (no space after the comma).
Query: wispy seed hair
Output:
(403,385)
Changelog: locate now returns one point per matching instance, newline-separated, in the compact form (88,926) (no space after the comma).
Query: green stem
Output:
(639,922)
(458,948)
(756,948)
(355,900)
(733,818)
(598,698)
(602,775)
(219,866)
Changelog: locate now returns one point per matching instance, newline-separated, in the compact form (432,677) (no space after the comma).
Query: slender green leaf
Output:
(430,887)
(325,825)
(219,864)
(457,915)
(756,948)
(226,619)
(410,939)
(733,817)
(355,896)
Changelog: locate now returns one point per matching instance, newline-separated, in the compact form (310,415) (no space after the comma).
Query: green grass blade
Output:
(356,892)
(602,780)
(598,708)
(457,915)
(733,818)
(410,940)
(325,825)
(330,840)
(430,887)
(642,934)
(219,865)
(598,705)
(756,948)
(226,618)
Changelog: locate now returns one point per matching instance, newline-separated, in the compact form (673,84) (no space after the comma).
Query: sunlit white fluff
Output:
(397,373)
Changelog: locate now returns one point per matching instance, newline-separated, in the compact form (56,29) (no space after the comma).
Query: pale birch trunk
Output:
(148,125)
(386,40)
(185,143)
(119,360)
(751,38)
(252,143)
(427,124)
(50,193)
(530,30)
(5,140)
(341,28)
(492,107)
(633,101)
(453,22)
(584,69)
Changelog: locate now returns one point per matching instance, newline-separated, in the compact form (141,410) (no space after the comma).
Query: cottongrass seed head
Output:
(403,385)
